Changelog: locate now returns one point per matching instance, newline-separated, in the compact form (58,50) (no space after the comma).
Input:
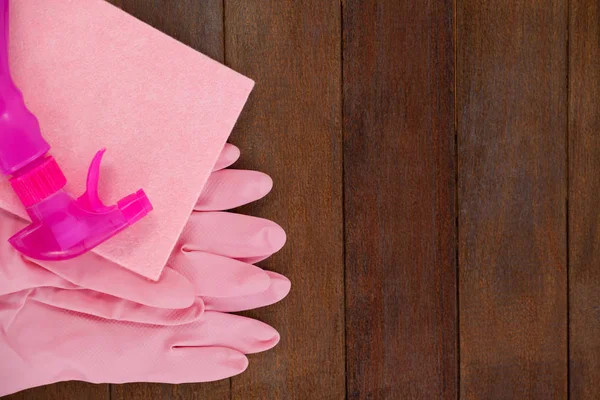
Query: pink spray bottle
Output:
(62,227)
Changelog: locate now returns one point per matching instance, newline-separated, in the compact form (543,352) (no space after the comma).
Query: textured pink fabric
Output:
(97,77)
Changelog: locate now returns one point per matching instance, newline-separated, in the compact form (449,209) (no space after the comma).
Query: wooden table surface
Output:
(437,169)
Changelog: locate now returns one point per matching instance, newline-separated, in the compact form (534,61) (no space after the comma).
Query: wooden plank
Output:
(64,390)
(399,185)
(584,199)
(198,24)
(291,129)
(153,391)
(512,125)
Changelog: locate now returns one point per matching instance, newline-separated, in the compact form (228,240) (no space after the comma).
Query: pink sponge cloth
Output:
(97,77)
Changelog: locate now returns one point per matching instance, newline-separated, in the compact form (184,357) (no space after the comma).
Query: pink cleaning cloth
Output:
(97,77)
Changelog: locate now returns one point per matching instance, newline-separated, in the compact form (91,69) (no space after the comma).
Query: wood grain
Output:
(62,391)
(291,129)
(400,199)
(154,391)
(584,199)
(198,24)
(512,126)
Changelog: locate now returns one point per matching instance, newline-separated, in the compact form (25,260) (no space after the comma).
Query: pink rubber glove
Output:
(41,344)
(203,267)
(181,345)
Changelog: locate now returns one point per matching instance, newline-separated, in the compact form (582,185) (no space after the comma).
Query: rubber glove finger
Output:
(231,235)
(114,308)
(96,273)
(279,289)
(38,329)
(177,366)
(171,291)
(229,155)
(192,365)
(243,334)
(253,260)
(218,276)
(231,188)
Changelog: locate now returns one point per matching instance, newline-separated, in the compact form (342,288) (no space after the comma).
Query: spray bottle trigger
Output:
(90,198)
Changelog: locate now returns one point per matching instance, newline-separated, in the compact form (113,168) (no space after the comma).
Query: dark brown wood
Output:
(198,24)
(154,391)
(291,129)
(64,390)
(512,127)
(400,199)
(584,199)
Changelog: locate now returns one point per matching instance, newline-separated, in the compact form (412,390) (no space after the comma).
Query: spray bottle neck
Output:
(38,181)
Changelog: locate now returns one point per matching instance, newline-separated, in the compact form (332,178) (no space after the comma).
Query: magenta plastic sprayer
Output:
(62,226)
